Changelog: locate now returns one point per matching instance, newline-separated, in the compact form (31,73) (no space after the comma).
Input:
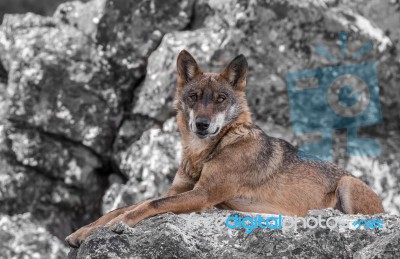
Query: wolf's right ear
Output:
(187,67)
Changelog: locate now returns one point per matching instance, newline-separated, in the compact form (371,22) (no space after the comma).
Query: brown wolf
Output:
(230,163)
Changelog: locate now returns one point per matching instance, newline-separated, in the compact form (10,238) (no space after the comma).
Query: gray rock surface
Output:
(205,235)
(86,118)
(65,83)
(55,181)
(42,7)
(150,165)
(127,32)
(61,113)
(58,82)
(21,238)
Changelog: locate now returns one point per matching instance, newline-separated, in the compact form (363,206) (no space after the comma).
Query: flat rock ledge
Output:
(205,235)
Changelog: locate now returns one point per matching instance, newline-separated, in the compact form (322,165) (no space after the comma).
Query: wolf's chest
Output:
(196,153)
(192,167)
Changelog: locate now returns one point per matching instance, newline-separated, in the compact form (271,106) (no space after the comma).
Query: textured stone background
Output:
(86,123)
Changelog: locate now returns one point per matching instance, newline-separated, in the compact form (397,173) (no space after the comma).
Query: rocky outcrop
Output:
(65,84)
(86,118)
(206,235)
(55,76)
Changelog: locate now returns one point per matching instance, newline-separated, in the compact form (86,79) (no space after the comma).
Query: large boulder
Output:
(49,139)
(205,235)
(58,82)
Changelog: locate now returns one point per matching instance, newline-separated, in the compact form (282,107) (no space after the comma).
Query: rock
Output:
(281,37)
(61,115)
(22,238)
(127,31)
(205,235)
(83,16)
(44,7)
(73,164)
(131,30)
(55,181)
(86,99)
(65,81)
(58,81)
(131,130)
(384,14)
(150,165)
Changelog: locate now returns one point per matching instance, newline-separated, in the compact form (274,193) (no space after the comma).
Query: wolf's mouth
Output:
(205,134)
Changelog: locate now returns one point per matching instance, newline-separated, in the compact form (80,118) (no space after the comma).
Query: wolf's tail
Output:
(355,197)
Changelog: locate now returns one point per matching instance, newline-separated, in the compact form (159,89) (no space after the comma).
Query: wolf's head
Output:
(210,101)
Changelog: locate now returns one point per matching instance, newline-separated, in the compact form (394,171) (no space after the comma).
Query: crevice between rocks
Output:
(108,167)
(192,18)
(57,137)
(3,74)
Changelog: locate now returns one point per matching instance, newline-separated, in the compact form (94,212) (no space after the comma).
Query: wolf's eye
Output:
(193,97)
(221,98)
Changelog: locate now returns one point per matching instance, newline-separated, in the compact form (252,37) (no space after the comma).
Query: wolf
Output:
(230,163)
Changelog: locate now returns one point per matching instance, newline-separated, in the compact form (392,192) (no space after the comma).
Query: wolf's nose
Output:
(202,123)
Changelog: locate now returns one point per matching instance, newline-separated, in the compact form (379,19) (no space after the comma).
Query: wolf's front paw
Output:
(113,224)
(76,238)
(118,224)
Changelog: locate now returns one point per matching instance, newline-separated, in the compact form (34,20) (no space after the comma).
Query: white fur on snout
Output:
(219,121)
(215,126)
(192,125)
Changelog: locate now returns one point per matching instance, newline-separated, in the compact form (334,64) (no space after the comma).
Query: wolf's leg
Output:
(76,238)
(355,197)
(180,184)
(200,198)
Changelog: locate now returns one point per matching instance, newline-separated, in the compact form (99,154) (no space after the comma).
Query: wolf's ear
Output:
(236,72)
(187,67)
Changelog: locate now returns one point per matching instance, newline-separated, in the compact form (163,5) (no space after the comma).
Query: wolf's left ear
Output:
(236,72)
(187,67)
